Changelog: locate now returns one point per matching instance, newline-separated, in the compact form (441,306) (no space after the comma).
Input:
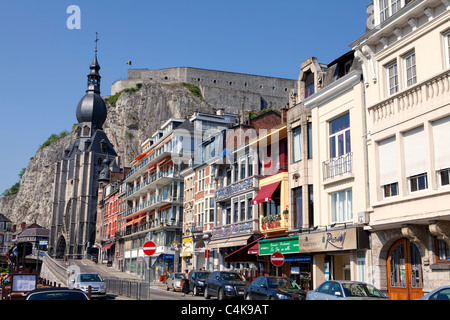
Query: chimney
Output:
(23,225)
(220,111)
(284,112)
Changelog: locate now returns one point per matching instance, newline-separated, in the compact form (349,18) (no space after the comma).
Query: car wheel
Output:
(195,291)
(206,293)
(220,294)
(167,288)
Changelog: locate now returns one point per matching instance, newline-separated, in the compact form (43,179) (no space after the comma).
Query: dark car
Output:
(274,288)
(225,284)
(61,293)
(197,280)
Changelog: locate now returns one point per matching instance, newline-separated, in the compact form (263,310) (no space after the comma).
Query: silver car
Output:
(442,293)
(173,281)
(345,290)
(82,281)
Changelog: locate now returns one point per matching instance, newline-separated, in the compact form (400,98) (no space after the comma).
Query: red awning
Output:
(254,249)
(265,193)
(140,156)
(242,254)
(107,246)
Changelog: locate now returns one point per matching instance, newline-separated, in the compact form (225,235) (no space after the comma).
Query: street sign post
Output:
(277,259)
(149,248)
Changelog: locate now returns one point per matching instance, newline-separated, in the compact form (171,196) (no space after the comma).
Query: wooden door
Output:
(404,271)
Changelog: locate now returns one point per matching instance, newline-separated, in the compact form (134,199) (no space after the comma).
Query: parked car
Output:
(442,293)
(173,281)
(225,284)
(197,280)
(274,288)
(345,290)
(61,293)
(82,281)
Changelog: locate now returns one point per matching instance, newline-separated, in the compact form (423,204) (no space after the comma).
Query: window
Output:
(447,49)
(392,78)
(249,208)
(341,206)
(415,159)
(242,168)
(390,190)
(387,154)
(418,182)
(339,136)
(310,145)
(298,205)
(211,209)
(443,177)
(250,166)
(228,214)
(442,250)
(242,216)
(384,9)
(309,84)
(235,215)
(297,147)
(410,69)
(441,132)
(388,7)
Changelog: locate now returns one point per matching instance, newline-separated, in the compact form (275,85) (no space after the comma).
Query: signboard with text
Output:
(282,245)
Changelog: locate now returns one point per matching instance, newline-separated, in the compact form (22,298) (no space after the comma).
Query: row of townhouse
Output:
(349,181)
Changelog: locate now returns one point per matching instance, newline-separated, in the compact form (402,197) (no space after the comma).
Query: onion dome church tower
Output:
(77,175)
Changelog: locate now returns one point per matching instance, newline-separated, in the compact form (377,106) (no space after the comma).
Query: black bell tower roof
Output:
(91,109)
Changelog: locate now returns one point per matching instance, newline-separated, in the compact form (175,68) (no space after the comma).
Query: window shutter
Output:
(387,155)
(441,134)
(415,152)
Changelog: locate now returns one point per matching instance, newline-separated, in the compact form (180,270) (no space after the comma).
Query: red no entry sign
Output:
(149,248)
(277,259)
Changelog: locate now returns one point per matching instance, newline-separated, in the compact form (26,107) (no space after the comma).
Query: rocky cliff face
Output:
(134,118)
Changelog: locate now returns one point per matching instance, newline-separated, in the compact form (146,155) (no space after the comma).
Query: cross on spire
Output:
(96,41)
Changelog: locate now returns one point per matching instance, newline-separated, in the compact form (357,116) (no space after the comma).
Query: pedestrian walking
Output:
(185,288)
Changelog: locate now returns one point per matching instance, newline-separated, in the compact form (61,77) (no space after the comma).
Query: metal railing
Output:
(337,166)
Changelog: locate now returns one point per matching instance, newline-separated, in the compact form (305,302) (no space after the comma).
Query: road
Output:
(156,293)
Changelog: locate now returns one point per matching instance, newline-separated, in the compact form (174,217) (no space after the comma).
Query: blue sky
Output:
(44,64)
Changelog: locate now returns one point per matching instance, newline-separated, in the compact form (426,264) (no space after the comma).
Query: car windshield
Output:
(57,296)
(178,275)
(201,275)
(361,290)
(90,278)
(283,283)
(231,277)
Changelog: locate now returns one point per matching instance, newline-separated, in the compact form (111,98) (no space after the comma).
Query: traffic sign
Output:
(277,259)
(149,248)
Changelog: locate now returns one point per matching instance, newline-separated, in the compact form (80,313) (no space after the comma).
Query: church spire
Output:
(91,110)
(94,76)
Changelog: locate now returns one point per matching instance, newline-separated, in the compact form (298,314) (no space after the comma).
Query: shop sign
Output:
(282,245)
(333,240)
(228,191)
(233,229)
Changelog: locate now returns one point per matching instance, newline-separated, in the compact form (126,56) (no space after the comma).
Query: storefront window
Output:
(442,251)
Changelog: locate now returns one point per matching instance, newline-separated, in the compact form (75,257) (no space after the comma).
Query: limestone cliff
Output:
(132,119)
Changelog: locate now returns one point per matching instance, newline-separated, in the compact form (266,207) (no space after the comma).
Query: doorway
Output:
(404,271)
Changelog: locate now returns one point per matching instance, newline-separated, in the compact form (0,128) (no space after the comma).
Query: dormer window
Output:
(309,84)
(389,7)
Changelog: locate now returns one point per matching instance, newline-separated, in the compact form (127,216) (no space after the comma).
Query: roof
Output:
(3,218)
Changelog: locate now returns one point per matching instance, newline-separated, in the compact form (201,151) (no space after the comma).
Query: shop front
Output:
(337,254)
(296,266)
